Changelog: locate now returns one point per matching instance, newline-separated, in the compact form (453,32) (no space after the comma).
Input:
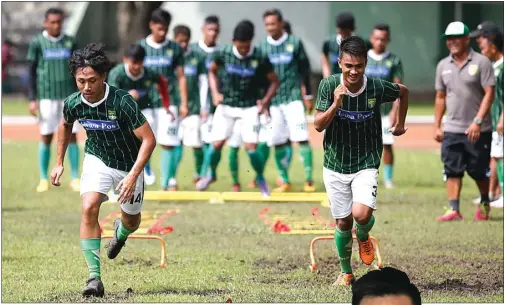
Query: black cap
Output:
(486,26)
(345,21)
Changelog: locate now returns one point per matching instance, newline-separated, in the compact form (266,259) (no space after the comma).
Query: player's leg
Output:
(234,143)
(387,155)
(151,115)
(168,138)
(48,124)
(73,157)
(192,138)
(263,147)
(478,157)
(338,189)
(497,157)
(279,136)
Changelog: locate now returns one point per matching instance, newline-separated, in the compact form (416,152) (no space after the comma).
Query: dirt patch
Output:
(281,264)
(139,262)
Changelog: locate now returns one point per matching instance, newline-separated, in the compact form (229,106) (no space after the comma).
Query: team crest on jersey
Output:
(194,62)
(111,114)
(472,69)
(68,44)
(170,53)
(389,63)
(371,102)
(290,48)
(254,63)
(147,83)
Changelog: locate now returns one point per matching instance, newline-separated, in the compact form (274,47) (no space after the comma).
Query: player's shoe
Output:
(482,213)
(115,245)
(149,177)
(75,185)
(94,287)
(309,187)
(43,186)
(262,185)
(366,251)
(279,181)
(389,184)
(498,203)
(285,187)
(235,187)
(450,215)
(252,184)
(204,183)
(196,177)
(172,185)
(344,279)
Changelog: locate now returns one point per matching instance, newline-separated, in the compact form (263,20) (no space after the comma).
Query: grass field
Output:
(220,251)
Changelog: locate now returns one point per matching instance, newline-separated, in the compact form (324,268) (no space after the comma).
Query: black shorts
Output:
(459,154)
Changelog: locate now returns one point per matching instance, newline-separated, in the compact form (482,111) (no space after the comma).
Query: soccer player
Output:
(133,77)
(50,84)
(245,68)
(287,112)
(119,143)
(194,66)
(348,108)
(166,58)
(387,66)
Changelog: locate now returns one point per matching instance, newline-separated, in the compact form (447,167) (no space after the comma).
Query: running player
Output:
(166,58)
(244,67)
(50,84)
(194,66)
(287,112)
(348,108)
(387,66)
(119,143)
(133,77)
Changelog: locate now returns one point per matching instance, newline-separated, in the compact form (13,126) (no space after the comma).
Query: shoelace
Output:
(367,246)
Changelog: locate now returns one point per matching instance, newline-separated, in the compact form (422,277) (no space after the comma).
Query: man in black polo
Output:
(465,89)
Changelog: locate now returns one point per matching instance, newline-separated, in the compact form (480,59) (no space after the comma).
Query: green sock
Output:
(198,154)
(166,156)
(214,160)
(264,151)
(289,153)
(91,249)
(73,156)
(282,162)
(233,161)
(306,153)
(257,163)
(123,232)
(362,230)
(499,169)
(178,152)
(343,241)
(207,155)
(44,157)
(388,172)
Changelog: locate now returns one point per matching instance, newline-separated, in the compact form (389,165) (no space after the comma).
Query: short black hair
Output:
(182,29)
(345,21)
(135,52)
(496,38)
(54,11)
(354,46)
(212,19)
(382,27)
(93,55)
(287,27)
(382,282)
(161,16)
(244,31)
(273,12)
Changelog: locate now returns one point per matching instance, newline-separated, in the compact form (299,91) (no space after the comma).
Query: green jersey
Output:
(353,140)
(290,62)
(497,106)
(163,58)
(120,77)
(51,54)
(243,76)
(109,126)
(201,48)
(194,66)
(386,66)
(331,49)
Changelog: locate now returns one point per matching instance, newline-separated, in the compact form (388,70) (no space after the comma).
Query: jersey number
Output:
(374,192)
(137,200)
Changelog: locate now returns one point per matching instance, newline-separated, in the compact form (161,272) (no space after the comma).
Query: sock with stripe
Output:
(499,173)
(166,156)
(91,250)
(198,154)
(282,162)
(388,172)
(122,232)
(233,161)
(362,230)
(257,163)
(73,157)
(44,157)
(343,242)
(306,154)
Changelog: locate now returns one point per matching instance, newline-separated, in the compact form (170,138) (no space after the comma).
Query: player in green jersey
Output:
(239,99)
(387,66)
(348,109)
(194,66)
(288,122)
(166,58)
(133,77)
(119,143)
(50,84)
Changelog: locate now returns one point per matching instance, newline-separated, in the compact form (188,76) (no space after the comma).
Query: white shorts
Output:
(288,121)
(168,129)
(235,140)
(189,131)
(225,119)
(50,114)
(497,145)
(206,129)
(265,129)
(344,189)
(152,118)
(387,137)
(99,178)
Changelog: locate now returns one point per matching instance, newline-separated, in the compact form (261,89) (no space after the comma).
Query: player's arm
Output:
(203,87)
(64,134)
(33,59)
(325,63)
(403,107)
(272,78)
(304,70)
(397,78)
(327,104)
(440,97)
(217,97)
(181,79)
(162,86)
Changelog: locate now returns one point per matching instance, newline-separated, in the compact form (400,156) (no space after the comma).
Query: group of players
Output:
(178,86)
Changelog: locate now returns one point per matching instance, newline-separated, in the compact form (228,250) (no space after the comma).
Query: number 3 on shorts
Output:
(374,192)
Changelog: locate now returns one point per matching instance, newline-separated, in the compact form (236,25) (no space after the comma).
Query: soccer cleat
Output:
(115,245)
(204,183)
(149,178)
(173,188)
(366,251)
(262,185)
(94,287)
(235,187)
(389,184)
(309,187)
(252,184)
(498,203)
(196,177)
(279,181)
(43,186)
(172,185)
(286,187)
(75,185)
(450,215)
(344,279)
(482,213)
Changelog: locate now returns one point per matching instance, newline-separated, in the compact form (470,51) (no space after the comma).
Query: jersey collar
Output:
(360,90)
(237,54)
(51,38)
(150,42)
(377,57)
(339,38)
(497,63)
(130,76)
(279,41)
(100,101)
(206,48)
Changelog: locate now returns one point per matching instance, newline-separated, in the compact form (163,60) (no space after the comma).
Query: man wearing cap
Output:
(465,89)
(490,40)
